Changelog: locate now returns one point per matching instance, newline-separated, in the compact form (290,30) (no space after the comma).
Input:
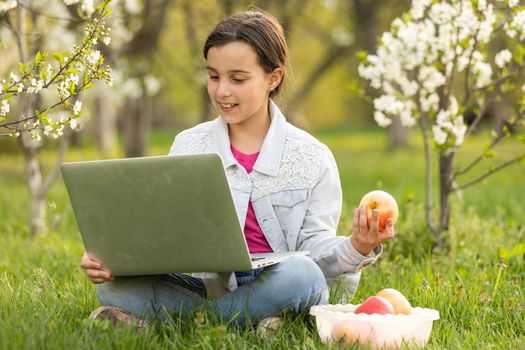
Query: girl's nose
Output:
(224,90)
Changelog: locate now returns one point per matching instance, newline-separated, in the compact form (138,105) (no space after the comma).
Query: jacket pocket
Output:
(289,198)
(290,209)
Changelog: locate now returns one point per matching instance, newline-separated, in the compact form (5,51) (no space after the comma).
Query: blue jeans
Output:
(292,285)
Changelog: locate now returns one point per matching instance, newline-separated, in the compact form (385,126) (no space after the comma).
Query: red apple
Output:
(382,201)
(397,299)
(375,305)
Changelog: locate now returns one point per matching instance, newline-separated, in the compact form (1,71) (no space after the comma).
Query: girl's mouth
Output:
(227,107)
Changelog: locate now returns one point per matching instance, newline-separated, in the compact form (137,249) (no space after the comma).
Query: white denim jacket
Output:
(296,194)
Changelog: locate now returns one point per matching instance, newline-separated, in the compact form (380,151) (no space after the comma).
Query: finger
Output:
(98,274)
(374,225)
(355,223)
(90,264)
(389,230)
(98,280)
(363,223)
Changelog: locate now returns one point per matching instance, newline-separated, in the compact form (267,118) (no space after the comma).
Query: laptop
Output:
(157,215)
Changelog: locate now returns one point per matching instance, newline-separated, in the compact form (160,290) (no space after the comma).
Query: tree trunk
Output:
(34,181)
(445,189)
(137,125)
(105,123)
(398,134)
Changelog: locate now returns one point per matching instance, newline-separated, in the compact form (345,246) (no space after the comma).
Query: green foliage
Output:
(477,280)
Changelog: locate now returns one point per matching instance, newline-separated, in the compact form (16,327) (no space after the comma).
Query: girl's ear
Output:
(276,76)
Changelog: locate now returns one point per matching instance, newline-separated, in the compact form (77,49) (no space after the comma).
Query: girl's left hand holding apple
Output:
(364,239)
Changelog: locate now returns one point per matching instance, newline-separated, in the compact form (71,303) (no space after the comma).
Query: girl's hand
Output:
(94,270)
(365,239)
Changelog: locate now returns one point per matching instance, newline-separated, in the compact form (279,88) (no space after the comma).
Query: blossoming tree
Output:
(437,62)
(41,98)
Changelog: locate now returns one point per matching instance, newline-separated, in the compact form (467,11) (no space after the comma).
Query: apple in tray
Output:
(375,305)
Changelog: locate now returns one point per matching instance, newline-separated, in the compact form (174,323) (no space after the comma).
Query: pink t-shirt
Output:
(257,243)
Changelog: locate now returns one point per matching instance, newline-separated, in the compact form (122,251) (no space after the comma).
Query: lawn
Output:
(476,281)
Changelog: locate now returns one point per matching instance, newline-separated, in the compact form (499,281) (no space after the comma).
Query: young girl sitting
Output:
(286,189)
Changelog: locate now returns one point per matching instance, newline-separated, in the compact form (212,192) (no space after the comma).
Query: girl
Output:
(286,190)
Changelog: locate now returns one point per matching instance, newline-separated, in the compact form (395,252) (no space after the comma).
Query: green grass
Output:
(476,281)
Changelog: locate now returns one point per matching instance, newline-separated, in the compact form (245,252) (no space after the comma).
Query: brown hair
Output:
(259,30)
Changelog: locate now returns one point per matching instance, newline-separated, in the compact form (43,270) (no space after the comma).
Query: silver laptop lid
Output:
(155,215)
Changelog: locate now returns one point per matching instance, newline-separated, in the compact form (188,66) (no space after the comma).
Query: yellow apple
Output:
(347,332)
(382,201)
(397,299)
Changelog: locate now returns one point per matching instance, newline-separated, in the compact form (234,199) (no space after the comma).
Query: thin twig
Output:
(495,141)
(490,172)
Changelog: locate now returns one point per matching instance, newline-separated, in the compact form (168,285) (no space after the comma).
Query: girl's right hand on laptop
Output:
(94,270)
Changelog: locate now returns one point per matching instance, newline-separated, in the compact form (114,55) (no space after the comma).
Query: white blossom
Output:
(14,77)
(88,7)
(486,27)
(74,78)
(152,85)
(459,130)
(409,87)
(93,57)
(4,108)
(63,88)
(439,135)
(483,72)
(482,5)
(418,8)
(388,104)
(502,58)
(49,71)
(342,37)
(406,116)
(516,26)
(35,134)
(381,119)
(7,5)
(77,107)
(54,131)
(74,123)
(430,47)
(36,86)
(431,78)
(48,129)
(133,7)
(106,40)
(429,102)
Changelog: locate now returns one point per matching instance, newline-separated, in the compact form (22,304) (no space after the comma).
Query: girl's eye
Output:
(213,77)
(237,80)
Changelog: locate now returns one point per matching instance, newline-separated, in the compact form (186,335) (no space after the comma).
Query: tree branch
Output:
(490,172)
(59,103)
(495,141)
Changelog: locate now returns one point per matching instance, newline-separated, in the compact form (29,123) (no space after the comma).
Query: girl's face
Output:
(238,86)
